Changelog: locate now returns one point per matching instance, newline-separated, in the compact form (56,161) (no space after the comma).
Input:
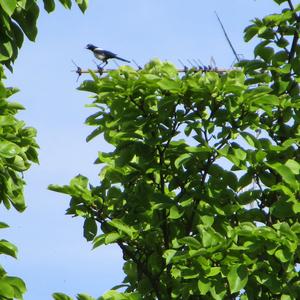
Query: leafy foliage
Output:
(18,148)
(201,189)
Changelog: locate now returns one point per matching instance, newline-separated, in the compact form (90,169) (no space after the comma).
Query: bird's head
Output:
(90,47)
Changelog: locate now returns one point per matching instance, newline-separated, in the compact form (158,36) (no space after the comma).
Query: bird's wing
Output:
(105,53)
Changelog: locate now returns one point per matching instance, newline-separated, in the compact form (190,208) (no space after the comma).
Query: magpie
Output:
(104,55)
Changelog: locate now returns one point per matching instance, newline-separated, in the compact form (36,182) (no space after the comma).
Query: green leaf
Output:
(207,220)
(201,149)
(66,3)
(18,285)
(280,1)
(89,229)
(271,100)
(49,5)
(282,209)
(8,248)
(252,65)
(280,58)
(182,159)
(61,296)
(169,85)
(175,213)
(6,51)
(3,225)
(266,53)
(190,241)
(245,229)
(245,180)
(18,202)
(155,263)
(84,297)
(218,290)
(59,189)
(168,255)
(204,286)
(250,139)
(296,65)
(267,178)
(213,271)
(286,173)
(112,237)
(250,32)
(151,77)
(27,20)
(237,278)
(283,255)
(6,290)
(113,295)
(254,214)
(19,163)
(99,240)
(8,6)
(231,180)
(286,231)
(249,196)
(293,165)
(2,272)
(82,4)
(18,39)
(119,224)
(282,43)
(279,18)
(209,236)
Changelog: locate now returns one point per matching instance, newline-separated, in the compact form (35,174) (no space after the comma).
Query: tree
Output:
(18,148)
(201,191)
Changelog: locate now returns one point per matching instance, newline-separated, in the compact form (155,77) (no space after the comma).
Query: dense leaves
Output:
(201,190)
(18,148)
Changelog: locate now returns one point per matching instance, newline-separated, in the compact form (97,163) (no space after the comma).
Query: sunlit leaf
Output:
(8,248)
(237,277)
(82,4)
(8,6)
(120,225)
(286,173)
(61,296)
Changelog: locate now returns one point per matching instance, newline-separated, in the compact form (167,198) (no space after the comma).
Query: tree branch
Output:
(296,34)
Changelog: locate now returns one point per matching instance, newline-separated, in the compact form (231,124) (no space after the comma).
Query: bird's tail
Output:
(123,59)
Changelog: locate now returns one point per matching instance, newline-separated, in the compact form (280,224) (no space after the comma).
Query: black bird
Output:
(104,55)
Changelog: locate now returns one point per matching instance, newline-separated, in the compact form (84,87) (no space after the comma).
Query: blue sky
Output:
(53,255)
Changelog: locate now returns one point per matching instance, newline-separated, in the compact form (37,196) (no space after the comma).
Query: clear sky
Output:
(53,255)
